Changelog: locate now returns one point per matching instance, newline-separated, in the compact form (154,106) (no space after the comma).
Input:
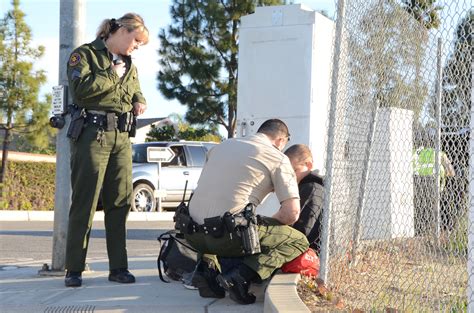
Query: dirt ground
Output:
(404,276)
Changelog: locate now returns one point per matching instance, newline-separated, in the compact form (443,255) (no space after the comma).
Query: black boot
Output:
(204,278)
(237,287)
(121,275)
(73,279)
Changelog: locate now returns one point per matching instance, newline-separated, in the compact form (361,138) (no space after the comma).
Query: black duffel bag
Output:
(176,258)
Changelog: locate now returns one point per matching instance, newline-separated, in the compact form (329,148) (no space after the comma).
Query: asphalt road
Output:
(23,243)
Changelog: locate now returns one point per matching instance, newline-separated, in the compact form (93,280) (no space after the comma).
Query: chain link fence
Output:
(396,205)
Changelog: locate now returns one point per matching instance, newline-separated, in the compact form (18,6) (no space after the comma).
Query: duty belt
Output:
(107,121)
(215,226)
(244,225)
(110,121)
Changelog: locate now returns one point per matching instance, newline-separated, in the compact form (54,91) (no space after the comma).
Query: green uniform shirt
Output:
(424,162)
(95,85)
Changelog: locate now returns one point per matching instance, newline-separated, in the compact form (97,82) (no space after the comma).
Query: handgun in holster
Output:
(78,116)
(246,227)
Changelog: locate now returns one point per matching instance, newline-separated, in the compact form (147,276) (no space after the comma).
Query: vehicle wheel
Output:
(143,199)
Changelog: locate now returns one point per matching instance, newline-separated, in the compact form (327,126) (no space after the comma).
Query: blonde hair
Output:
(129,21)
(299,153)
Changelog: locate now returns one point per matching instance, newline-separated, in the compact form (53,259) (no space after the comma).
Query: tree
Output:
(457,78)
(39,138)
(386,55)
(20,110)
(163,133)
(425,12)
(456,105)
(180,130)
(199,58)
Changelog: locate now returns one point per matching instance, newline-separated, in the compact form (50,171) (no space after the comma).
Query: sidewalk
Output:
(23,290)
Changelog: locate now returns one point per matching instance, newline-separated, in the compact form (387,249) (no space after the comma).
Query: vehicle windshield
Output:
(139,151)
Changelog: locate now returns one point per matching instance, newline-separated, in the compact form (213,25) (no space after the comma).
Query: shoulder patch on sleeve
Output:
(74,59)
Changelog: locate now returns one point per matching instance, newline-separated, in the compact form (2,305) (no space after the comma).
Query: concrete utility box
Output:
(388,211)
(284,72)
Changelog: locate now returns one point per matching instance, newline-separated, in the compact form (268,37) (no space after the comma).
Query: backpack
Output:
(176,256)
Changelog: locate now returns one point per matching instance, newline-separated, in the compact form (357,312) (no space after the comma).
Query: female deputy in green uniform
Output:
(106,92)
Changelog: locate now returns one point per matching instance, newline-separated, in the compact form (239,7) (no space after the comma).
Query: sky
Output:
(42,16)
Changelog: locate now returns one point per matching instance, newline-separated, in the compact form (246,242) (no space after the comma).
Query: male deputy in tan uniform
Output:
(238,172)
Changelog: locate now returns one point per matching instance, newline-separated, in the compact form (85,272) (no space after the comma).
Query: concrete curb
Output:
(281,295)
(11,216)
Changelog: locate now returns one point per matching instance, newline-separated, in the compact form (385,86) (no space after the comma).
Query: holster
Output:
(231,221)
(77,123)
(245,225)
(250,237)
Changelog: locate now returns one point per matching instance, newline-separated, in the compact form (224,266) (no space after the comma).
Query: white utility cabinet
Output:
(284,72)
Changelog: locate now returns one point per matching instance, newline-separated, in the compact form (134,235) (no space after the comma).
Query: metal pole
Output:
(470,260)
(439,73)
(324,257)
(71,35)
(158,187)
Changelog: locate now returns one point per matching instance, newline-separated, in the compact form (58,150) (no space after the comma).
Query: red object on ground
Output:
(306,264)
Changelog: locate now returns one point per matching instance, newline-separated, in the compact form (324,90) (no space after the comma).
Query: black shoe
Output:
(237,287)
(204,279)
(73,279)
(122,276)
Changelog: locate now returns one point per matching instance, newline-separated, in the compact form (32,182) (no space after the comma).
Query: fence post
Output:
(363,183)
(470,248)
(325,231)
(439,77)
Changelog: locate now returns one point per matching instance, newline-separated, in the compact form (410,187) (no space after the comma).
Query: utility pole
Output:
(71,35)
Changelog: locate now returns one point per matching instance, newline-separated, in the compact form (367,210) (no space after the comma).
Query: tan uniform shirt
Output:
(241,171)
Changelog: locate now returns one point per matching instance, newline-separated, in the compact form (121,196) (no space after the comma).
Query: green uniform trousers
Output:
(94,165)
(279,244)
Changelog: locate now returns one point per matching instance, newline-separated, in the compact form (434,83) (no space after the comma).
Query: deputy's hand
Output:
(119,68)
(139,108)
